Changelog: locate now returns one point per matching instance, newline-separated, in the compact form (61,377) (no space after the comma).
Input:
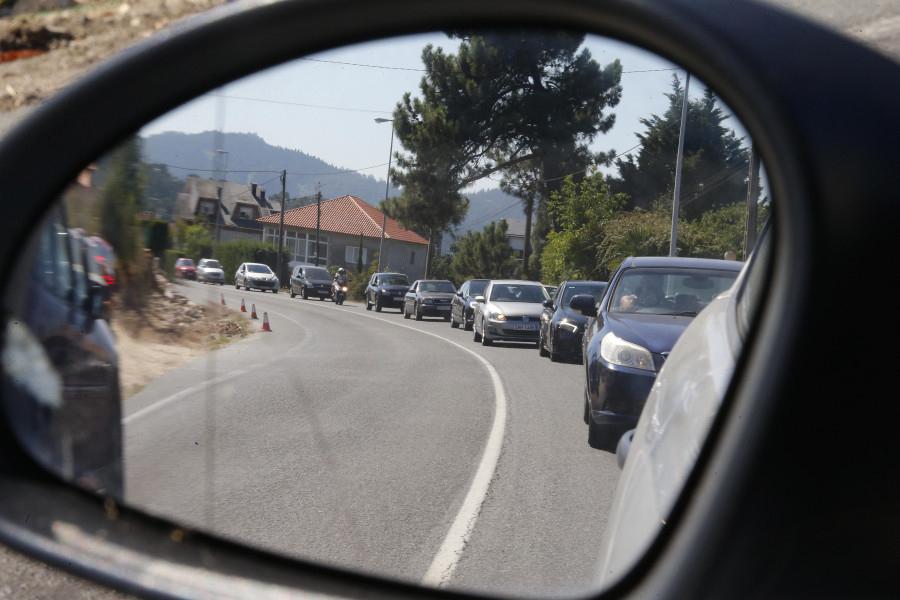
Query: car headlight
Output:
(569,326)
(625,354)
(496,315)
(384,291)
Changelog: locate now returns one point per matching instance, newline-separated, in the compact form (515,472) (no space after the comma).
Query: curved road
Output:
(367,441)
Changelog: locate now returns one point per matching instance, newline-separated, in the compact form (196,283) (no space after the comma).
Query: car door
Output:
(458,303)
(409,300)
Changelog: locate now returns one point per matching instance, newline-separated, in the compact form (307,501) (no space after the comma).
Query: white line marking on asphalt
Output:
(211,382)
(450,553)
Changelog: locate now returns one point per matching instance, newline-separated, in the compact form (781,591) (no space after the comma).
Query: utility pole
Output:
(281,224)
(675,202)
(752,198)
(318,218)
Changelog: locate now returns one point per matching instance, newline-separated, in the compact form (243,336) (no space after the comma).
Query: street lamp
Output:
(381,262)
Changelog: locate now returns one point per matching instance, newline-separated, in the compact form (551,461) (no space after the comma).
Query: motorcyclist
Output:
(340,280)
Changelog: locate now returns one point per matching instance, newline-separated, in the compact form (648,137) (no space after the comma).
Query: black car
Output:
(649,303)
(428,298)
(561,329)
(64,362)
(462,307)
(310,282)
(386,290)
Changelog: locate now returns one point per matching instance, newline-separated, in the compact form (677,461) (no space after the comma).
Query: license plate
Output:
(445,307)
(524,327)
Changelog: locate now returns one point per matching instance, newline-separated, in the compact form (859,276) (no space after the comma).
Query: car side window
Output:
(53,266)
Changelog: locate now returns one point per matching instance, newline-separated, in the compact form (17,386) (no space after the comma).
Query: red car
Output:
(185,269)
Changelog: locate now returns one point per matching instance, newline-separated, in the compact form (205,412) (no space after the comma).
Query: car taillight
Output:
(109,280)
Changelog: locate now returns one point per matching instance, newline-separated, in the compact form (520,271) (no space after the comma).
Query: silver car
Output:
(256,275)
(509,311)
(210,271)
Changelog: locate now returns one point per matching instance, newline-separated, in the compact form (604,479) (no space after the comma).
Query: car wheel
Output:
(246,287)
(485,340)
(368,304)
(466,325)
(587,409)
(274,291)
(453,323)
(237,286)
(418,314)
(554,357)
(541,350)
(405,312)
(476,336)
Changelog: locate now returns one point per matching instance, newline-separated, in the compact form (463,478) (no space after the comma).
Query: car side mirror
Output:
(547,303)
(479,299)
(584,304)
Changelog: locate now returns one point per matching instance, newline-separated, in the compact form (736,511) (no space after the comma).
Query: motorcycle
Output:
(339,293)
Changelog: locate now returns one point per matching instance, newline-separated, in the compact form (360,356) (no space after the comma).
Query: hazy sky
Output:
(325,105)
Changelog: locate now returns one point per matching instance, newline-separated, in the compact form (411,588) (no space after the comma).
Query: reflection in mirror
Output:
(242,401)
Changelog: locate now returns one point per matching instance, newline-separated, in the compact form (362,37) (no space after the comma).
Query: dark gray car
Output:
(310,282)
(429,298)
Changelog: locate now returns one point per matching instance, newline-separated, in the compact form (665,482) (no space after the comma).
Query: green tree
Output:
(484,255)
(582,210)
(197,243)
(524,104)
(120,201)
(714,167)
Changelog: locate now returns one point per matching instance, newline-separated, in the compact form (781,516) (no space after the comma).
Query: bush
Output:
(168,263)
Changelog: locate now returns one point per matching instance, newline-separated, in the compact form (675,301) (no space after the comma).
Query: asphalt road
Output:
(353,438)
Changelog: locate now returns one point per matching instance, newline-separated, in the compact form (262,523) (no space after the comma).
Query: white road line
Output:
(450,553)
(212,382)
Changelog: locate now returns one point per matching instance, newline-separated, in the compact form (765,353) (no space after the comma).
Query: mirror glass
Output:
(163,354)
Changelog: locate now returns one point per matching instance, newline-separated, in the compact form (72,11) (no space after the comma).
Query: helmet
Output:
(341,271)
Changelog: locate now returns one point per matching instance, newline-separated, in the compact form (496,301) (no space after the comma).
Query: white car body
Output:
(208,271)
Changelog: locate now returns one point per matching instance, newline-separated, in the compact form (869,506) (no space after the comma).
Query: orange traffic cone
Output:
(253,311)
(223,299)
(243,308)
(265,326)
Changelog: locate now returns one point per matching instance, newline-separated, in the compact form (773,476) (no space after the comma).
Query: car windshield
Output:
(317,273)
(211,264)
(395,280)
(573,289)
(437,286)
(665,291)
(186,262)
(514,292)
(259,269)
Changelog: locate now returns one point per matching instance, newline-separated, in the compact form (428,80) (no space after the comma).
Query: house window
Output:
(301,246)
(245,213)
(208,208)
(351,254)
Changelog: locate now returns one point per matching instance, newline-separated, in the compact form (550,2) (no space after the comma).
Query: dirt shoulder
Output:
(169,332)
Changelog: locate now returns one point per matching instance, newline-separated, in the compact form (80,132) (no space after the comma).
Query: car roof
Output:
(681,261)
(516,282)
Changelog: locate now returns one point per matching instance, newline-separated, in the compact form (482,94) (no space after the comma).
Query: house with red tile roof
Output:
(341,222)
